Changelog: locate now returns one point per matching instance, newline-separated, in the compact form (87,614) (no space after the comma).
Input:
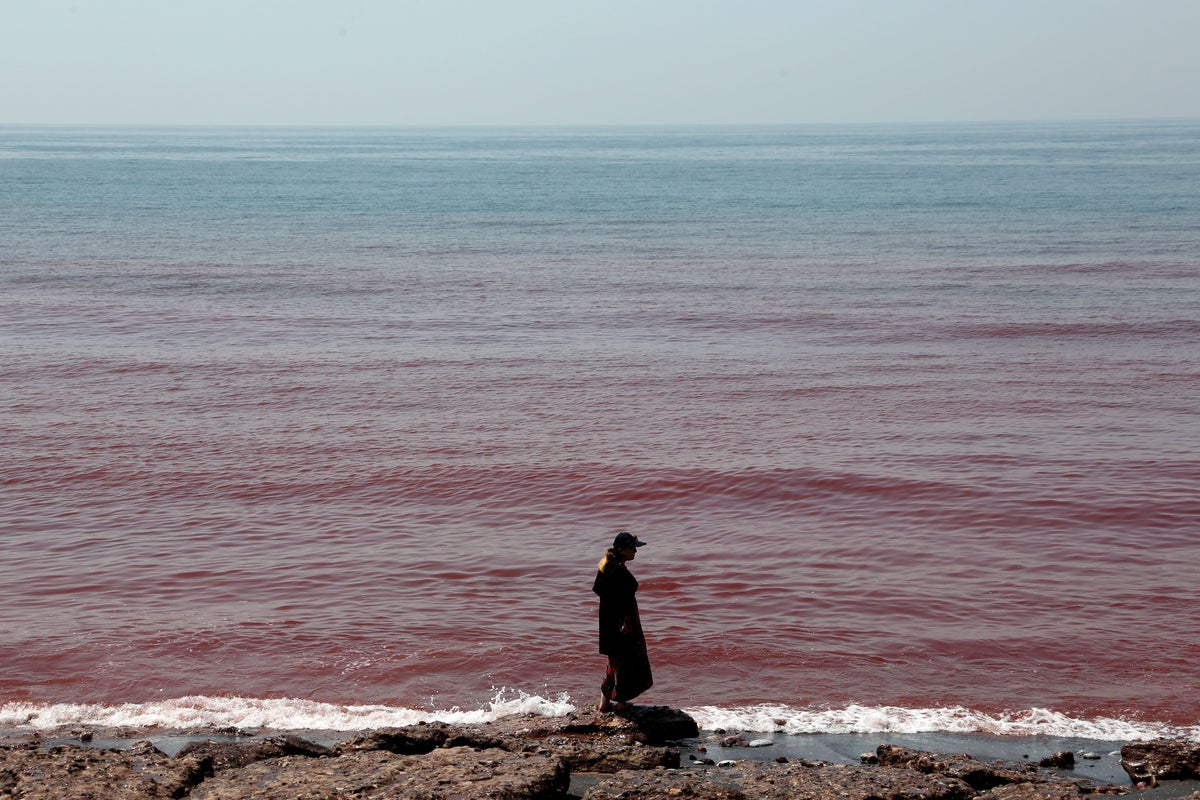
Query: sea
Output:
(327,428)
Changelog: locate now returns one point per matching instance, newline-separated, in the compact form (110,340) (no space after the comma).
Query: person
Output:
(621,637)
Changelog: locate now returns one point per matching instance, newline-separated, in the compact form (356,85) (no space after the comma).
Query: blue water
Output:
(899,197)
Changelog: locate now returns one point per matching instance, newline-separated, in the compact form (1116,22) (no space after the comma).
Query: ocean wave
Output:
(952,719)
(244,713)
(273,713)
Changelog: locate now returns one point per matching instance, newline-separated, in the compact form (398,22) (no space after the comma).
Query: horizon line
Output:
(597,125)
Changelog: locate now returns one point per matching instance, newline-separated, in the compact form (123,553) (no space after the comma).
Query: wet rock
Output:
(655,725)
(1064,759)
(409,740)
(1161,759)
(584,755)
(991,778)
(661,724)
(588,754)
(595,742)
(980,775)
(229,755)
(68,772)
(588,743)
(757,780)
(458,772)
(739,740)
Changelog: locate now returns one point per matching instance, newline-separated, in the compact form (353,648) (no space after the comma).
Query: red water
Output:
(888,490)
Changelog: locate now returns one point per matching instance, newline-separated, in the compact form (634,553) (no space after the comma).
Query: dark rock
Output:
(985,776)
(1064,759)
(458,772)
(1161,759)
(656,725)
(584,755)
(980,775)
(589,754)
(230,755)
(695,785)
(757,780)
(661,724)
(1032,791)
(409,740)
(589,743)
(69,772)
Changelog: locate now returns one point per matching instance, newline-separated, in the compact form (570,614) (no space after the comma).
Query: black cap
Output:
(627,539)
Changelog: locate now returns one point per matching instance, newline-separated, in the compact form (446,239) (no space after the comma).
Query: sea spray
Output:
(274,713)
(249,713)
(955,719)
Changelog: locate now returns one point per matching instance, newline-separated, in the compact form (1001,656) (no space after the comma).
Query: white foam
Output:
(249,713)
(277,714)
(890,719)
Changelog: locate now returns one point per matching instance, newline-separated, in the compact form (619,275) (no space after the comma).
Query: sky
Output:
(594,62)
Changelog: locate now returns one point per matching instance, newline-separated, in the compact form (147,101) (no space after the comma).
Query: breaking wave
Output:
(954,719)
(243,713)
(275,714)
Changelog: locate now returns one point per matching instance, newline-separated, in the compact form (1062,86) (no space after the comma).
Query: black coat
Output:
(617,589)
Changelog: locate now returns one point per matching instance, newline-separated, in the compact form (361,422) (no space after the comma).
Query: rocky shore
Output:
(651,752)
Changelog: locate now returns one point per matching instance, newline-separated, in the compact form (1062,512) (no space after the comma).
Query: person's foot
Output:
(623,706)
(605,706)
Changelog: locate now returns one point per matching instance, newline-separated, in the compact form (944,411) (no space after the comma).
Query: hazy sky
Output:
(417,62)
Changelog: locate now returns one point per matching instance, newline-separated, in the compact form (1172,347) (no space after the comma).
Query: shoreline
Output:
(1102,763)
(215,712)
(836,748)
(627,743)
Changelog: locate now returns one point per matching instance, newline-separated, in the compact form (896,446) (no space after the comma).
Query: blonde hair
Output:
(609,556)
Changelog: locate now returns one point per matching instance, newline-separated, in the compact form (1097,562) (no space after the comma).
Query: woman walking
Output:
(621,637)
